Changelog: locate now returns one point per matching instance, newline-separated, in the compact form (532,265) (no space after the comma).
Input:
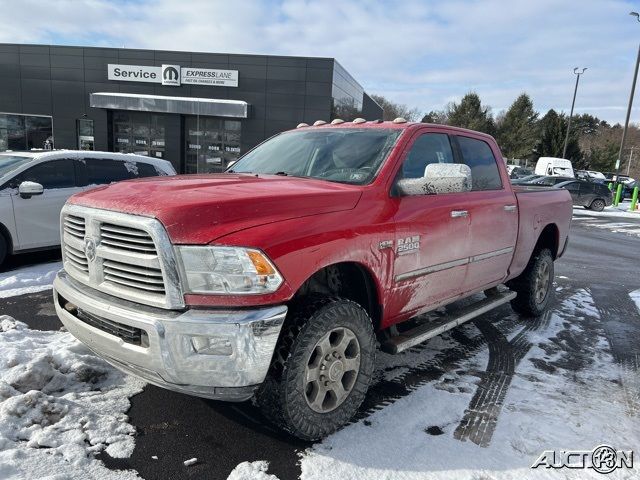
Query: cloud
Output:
(421,53)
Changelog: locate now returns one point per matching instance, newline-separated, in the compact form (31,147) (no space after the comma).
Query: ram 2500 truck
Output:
(278,279)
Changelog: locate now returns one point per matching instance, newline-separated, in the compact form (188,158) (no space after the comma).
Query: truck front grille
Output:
(118,254)
(128,239)
(140,278)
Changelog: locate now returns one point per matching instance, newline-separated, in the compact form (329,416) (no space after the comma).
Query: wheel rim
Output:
(543,279)
(332,370)
(598,205)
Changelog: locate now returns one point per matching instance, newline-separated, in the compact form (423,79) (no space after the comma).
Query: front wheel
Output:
(534,285)
(321,370)
(598,205)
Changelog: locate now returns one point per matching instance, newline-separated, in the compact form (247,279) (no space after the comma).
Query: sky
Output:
(422,53)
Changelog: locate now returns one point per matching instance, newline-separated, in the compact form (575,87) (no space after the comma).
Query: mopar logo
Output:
(171,75)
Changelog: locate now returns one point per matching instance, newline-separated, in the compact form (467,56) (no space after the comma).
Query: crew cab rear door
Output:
(431,231)
(493,212)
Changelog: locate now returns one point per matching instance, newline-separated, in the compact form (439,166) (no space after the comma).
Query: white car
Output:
(35,185)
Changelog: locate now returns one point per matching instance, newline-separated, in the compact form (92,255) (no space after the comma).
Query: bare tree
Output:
(391,110)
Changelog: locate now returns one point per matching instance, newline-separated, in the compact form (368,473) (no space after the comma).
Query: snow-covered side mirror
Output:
(29,189)
(438,178)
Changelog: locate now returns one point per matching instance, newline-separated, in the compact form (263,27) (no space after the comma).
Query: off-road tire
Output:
(527,302)
(598,205)
(281,397)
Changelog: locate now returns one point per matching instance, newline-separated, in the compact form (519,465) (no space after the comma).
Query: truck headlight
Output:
(227,270)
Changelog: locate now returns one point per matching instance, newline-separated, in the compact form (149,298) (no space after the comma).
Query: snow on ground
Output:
(34,278)
(621,211)
(59,406)
(252,471)
(635,296)
(550,405)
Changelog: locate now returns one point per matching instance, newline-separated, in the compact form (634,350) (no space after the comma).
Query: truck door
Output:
(431,232)
(493,214)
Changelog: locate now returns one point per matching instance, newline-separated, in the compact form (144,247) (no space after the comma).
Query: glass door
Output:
(210,144)
(139,133)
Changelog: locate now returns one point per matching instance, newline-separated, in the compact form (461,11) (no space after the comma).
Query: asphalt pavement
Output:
(175,427)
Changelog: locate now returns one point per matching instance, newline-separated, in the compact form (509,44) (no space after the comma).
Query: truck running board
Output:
(432,329)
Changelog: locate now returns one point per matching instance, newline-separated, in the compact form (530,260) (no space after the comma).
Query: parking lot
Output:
(484,400)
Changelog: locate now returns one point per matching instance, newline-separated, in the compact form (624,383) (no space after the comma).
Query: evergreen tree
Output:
(518,129)
(471,114)
(553,129)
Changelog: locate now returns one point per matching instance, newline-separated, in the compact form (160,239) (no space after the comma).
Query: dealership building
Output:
(198,110)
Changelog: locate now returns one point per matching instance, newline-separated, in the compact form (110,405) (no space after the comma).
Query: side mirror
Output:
(29,189)
(438,178)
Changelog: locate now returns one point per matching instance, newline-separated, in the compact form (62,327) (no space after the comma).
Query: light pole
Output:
(630,159)
(575,91)
(633,90)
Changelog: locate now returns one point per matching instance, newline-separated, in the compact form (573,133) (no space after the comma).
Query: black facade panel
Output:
(57,81)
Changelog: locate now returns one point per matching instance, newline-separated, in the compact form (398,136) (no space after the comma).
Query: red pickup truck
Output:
(278,279)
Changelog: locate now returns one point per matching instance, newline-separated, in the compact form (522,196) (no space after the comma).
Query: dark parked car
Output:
(592,196)
(519,172)
(524,180)
(546,181)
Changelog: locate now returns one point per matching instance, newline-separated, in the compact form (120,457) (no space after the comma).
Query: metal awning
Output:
(159,103)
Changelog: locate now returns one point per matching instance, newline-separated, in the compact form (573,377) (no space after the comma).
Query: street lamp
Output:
(575,91)
(633,90)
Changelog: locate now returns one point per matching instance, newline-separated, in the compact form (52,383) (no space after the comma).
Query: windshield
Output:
(8,163)
(562,171)
(338,155)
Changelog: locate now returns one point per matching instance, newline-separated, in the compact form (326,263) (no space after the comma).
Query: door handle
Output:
(459,213)
(509,208)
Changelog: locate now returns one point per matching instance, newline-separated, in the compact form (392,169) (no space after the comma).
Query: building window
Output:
(25,132)
(211,143)
(85,134)
(140,133)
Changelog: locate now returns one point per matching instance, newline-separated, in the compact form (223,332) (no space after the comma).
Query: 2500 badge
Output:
(408,245)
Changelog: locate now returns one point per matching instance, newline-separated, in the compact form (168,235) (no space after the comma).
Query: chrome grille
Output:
(127,256)
(76,258)
(141,278)
(74,226)
(125,238)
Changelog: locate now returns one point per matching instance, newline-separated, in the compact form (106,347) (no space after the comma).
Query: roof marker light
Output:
(317,123)
(359,120)
(300,125)
(399,120)
(337,121)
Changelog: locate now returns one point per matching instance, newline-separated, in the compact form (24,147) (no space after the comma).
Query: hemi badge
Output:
(385,244)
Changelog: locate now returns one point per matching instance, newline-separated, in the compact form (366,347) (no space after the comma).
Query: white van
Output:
(554,167)
(35,185)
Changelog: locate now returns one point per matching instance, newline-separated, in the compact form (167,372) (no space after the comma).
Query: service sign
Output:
(208,76)
(134,73)
(173,75)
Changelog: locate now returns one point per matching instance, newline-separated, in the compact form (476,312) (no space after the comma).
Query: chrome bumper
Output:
(172,353)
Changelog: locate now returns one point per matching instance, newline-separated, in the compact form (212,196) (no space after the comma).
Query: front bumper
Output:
(168,355)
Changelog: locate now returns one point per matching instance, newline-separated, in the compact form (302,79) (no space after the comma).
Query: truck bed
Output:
(538,207)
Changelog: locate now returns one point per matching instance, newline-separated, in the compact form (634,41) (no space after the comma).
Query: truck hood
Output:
(198,209)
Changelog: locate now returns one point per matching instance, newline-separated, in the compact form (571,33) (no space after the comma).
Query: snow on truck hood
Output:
(198,209)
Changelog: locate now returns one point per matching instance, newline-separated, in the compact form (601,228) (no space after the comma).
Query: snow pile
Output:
(35,278)
(561,397)
(251,471)
(59,406)
(622,212)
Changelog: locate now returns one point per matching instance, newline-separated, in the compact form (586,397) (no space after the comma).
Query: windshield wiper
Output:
(284,174)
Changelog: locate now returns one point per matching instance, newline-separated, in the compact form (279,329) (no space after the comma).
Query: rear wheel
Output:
(534,285)
(598,205)
(321,370)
